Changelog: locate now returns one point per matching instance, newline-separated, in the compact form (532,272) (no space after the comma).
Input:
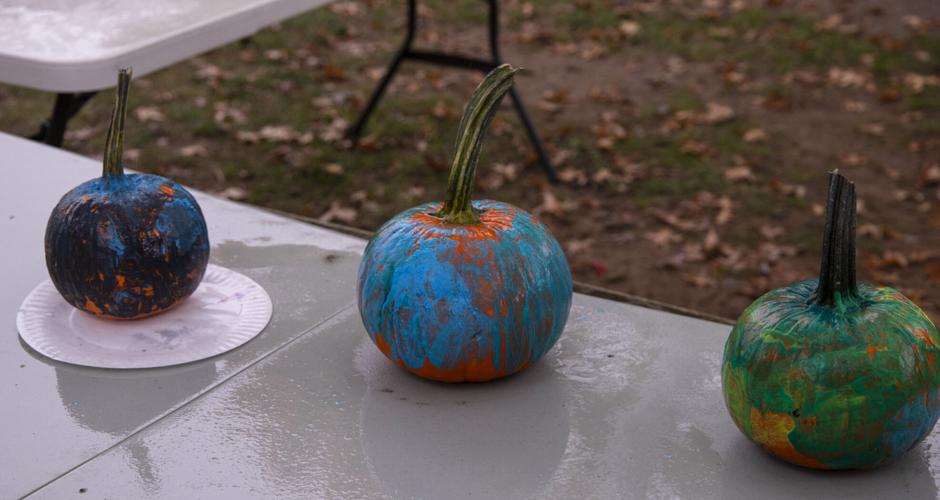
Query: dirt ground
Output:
(692,138)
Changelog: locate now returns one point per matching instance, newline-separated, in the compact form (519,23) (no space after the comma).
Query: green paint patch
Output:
(844,387)
(830,374)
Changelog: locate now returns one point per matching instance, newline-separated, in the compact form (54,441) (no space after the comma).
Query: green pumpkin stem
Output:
(114,145)
(837,271)
(458,205)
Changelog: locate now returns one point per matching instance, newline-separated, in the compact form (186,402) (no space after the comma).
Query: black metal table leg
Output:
(355,131)
(544,160)
(442,59)
(67,105)
(493,32)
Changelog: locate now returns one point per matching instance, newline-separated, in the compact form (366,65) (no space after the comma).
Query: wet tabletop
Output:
(54,416)
(627,405)
(78,45)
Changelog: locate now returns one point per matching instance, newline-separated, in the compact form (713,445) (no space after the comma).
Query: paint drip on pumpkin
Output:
(465,290)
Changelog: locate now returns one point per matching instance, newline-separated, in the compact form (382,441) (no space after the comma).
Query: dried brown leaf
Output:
(755,135)
(340,213)
(741,173)
(663,237)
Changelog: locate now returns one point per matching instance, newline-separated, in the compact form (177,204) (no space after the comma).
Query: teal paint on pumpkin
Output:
(465,290)
(831,374)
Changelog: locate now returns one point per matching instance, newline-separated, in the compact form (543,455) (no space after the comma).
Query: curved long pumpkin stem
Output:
(458,205)
(114,145)
(837,280)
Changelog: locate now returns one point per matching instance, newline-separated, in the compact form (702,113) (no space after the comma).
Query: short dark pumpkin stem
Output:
(837,272)
(114,146)
(458,206)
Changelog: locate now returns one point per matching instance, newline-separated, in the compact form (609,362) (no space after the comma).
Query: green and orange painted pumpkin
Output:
(465,290)
(126,246)
(831,373)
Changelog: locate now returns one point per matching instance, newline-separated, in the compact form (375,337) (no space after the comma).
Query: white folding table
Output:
(627,405)
(75,47)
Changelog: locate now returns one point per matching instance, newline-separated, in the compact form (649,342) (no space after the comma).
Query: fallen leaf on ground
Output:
(875,129)
(741,173)
(575,247)
(711,242)
(794,190)
(194,150)
(852,159)
(871,231)
(842,77)
(663,237)
(248,136)
(725,206)
(673,219)
(694,148)
(226,114)
(934,272)
(770,232)
(629,28)
(573,176)
(854,106)
(334,168)
(234,193)
(332,73)
(690,253)
(716,113)
(893,258)
(346,8)
(931,175)
(277,133)
(79,134)
(148,114)
(275,54)
(913,22)
(699,279)
(339,212)
(755,135)
(552,205)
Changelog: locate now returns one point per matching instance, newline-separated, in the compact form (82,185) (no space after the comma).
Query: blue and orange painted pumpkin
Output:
(830,373)
(465,290)
(126,246)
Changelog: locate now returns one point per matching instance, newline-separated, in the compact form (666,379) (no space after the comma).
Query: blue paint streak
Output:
(429,302)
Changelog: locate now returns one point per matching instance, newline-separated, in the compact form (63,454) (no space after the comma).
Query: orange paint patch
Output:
(92,308)
(473,370)
(167,189)
(119,280)
(152,312)
(492,222)
(771,431)
(923,335)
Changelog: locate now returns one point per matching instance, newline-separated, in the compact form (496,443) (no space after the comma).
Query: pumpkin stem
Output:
(837,271)
(458,206)
(114,145)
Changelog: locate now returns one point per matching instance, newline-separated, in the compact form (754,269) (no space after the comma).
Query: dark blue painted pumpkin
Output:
(465,291)
(126,246)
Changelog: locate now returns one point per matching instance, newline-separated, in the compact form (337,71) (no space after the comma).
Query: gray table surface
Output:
(627,405)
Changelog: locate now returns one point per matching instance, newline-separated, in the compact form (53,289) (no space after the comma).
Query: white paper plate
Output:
(227,310)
